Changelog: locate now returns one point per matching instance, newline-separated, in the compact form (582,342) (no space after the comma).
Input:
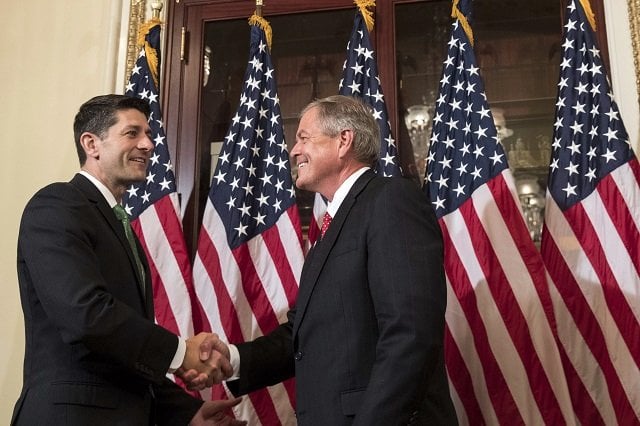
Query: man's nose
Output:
(146,143)
(296,149)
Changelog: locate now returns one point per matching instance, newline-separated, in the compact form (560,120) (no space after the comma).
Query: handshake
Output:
(206,362)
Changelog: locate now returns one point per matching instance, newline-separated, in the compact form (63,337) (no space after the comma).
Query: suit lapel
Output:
(317,256)
(94,196)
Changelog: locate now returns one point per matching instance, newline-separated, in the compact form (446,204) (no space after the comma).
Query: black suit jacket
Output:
(365,340)
(93,354)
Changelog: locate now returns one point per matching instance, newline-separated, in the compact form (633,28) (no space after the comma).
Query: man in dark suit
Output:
(93,353)
(365,340)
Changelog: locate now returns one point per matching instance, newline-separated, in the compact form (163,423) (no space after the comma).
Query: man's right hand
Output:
(198,370)
(210,350)
(211,345)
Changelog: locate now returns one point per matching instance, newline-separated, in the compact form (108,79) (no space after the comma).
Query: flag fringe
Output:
(149,51)
(367,14)
(586,6)
(456,13)
(264,24)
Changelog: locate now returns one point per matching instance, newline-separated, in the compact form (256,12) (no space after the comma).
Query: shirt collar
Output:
(111,200)
(343,190)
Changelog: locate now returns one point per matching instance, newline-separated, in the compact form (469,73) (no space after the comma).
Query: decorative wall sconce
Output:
(418,122)
(532,200)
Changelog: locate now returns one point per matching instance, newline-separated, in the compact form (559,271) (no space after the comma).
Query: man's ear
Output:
(346,142)
(89,143)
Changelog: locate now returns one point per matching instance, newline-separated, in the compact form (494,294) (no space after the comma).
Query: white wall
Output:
(622,71)
(54,56)
(57,54)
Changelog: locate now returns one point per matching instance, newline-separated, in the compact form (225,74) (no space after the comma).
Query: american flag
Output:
(591,238)
(503,362)
(360,79)
(250,256)
(153,204)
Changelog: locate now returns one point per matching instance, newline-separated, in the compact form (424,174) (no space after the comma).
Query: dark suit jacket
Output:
(93,355)
(365,340)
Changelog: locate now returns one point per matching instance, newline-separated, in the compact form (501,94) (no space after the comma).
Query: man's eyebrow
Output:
(129,126)
(136,127)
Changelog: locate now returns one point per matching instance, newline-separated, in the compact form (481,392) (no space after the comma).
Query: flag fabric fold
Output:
(501,352)
(360,79)
(153,204)
(591,234)
(249,257)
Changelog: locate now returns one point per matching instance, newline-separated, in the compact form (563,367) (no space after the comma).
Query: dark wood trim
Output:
(234,9)
(601,32)
(383,38)
(172,86)
(181,96)
(386,56)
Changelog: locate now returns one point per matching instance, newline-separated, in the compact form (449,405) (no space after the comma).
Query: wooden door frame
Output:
(181,103)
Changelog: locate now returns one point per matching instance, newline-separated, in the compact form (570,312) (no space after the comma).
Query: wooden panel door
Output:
(207,51)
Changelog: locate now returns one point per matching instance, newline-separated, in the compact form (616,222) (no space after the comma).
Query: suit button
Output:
(298,356)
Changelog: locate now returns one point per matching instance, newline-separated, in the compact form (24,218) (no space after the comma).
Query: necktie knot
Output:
(326,221)
(121,213)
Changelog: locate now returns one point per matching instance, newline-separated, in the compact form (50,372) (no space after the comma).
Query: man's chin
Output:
(134,180)
(302,184)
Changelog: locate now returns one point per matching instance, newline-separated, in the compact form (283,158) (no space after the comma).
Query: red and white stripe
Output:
(592,253)
(246,292)
(501,352)
(159,229)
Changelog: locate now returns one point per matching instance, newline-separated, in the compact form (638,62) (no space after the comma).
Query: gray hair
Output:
(338,113)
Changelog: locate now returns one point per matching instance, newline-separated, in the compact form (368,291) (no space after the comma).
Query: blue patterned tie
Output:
(123,217)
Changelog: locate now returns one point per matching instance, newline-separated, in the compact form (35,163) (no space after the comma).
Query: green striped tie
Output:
(123,217)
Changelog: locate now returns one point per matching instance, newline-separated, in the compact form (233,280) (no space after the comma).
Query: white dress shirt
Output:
(178,358)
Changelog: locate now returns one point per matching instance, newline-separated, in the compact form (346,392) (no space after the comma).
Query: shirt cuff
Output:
(178,358)
(234,359)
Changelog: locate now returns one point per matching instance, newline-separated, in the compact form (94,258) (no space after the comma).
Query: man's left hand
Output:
(214,413)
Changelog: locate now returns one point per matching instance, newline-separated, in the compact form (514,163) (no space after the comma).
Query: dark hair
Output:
(99,113)
(339,112)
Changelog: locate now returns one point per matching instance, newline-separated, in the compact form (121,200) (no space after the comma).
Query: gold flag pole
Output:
(367,14)
(150,52)
(591,17)
(257,19)
(156,7)
(136,23)
(455,13)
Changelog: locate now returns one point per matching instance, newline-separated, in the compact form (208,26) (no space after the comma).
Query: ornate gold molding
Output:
(137,12)
(634,26)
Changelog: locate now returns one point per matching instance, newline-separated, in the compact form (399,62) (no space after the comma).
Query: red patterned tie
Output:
(326,221)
